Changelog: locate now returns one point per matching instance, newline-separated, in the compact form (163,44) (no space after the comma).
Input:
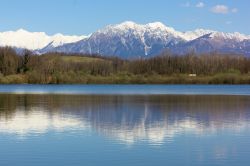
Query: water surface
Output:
(124,130)
(128,89)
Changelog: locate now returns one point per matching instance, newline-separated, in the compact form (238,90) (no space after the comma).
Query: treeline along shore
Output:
(59,68)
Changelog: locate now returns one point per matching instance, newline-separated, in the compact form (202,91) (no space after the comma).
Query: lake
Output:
(127,89)
(148,125)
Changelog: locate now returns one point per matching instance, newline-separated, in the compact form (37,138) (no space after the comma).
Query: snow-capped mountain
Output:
(131,40)
(128,40)
(23,39)
(216,42)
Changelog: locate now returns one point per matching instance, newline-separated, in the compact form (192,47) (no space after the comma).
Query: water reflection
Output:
(127,119)
(37,121)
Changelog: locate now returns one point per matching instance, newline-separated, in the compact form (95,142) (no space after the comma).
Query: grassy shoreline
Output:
(222,78)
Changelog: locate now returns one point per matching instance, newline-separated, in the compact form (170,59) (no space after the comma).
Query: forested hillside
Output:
(59,68)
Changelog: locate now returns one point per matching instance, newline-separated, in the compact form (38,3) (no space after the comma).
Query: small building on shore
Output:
(192,75)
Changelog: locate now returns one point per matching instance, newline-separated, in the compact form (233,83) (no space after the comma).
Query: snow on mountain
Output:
(59,39)
(131,40)
(127,39)
(191,35)
(155,29)
(216,42)
(34,40)
(230,36)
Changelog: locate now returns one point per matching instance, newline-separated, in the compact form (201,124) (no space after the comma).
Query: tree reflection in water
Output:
(129,119)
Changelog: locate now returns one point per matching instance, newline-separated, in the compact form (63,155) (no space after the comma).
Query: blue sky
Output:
(86,16)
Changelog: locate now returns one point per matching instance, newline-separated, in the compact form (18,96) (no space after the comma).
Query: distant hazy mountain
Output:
(131,40)
(216,42)
(23,39)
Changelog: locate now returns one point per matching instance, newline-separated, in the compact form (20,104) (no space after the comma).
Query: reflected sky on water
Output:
(198,129)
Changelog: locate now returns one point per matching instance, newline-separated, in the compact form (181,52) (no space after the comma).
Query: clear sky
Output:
(86,16)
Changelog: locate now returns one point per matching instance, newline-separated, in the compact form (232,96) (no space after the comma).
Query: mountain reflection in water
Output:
(128,119)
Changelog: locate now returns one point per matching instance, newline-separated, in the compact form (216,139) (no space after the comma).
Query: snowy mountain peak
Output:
(123,27)
(230,36)
(127,24)
(159,26)
(156,24)
(21,30)
(34,40)
(191,35)
(60,39)
(155,30)
(129,39)
(130,25)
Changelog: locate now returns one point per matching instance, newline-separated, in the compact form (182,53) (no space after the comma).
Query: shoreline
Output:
(183,79)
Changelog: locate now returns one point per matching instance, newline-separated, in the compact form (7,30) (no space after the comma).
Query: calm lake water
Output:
(133,125)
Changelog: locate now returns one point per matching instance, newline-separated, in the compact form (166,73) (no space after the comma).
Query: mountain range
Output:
(131,40)
(23,39)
